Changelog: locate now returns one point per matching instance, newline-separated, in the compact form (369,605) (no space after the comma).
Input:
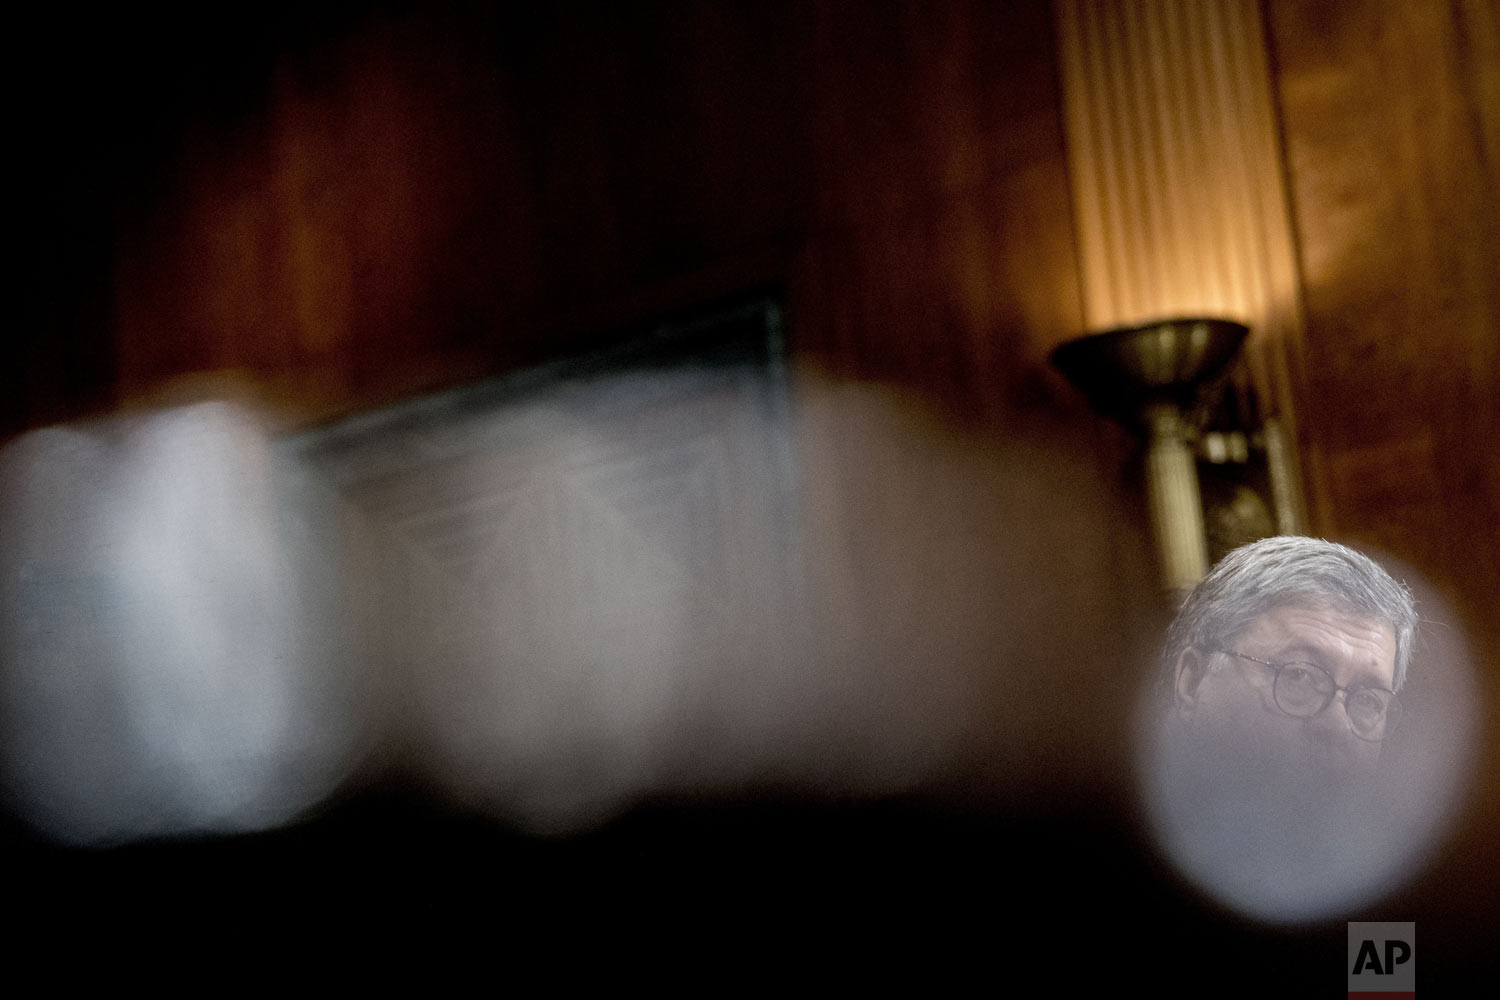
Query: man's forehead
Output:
(1361,643)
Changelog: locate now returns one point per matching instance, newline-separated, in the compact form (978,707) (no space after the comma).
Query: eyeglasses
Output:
(1305,689)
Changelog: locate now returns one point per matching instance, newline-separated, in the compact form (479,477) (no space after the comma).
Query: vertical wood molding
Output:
(1175,163)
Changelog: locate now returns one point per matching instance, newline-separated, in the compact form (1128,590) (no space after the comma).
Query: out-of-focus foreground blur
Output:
(349,551)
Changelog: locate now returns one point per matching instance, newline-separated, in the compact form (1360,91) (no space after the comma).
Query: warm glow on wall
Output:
(1175,166)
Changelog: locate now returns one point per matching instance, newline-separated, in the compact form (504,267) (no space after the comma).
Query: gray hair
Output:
(1274,572)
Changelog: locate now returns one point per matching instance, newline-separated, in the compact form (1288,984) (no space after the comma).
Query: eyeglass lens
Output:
(1305,689)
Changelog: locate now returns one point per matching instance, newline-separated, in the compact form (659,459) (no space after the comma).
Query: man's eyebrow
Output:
(1303,648)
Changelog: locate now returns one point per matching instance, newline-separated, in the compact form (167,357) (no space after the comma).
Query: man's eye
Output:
(1305,676)
(1366,702)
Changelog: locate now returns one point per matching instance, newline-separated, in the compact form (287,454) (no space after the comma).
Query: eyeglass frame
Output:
(1335,689)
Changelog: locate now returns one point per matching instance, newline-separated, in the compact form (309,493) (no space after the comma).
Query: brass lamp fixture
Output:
(1155,379)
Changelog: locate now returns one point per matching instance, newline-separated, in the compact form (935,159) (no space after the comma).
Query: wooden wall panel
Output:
(1391,115)
(358,204)
(940,227)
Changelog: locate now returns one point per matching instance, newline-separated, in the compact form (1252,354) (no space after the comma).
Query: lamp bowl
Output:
(1125,371)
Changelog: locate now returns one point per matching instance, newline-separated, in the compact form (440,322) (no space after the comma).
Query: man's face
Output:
(1230,699)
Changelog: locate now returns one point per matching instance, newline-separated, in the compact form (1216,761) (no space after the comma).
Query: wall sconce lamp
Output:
(1158,380)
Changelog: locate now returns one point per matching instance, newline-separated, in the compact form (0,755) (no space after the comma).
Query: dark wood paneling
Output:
(1391,114)
(352,206)
(414,198)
